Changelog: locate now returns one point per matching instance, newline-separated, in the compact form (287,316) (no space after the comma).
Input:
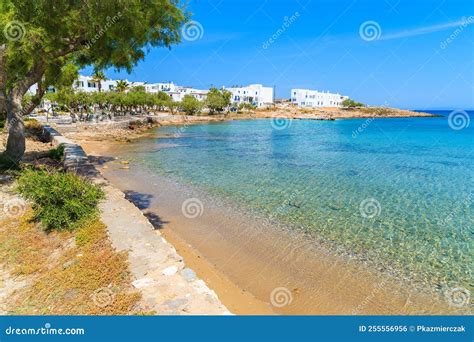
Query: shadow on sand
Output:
(142,201)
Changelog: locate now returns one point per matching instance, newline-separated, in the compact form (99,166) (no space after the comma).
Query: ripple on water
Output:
(416,181)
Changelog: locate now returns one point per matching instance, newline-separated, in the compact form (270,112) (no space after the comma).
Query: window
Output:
(80,84)
(91,84)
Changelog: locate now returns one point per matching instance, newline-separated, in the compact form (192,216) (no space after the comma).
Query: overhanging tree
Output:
(41,37)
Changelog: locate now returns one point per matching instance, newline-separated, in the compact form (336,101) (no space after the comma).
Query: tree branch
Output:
(33,76)
(35,101)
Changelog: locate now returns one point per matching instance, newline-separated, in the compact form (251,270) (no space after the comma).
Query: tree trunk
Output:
(3,109)
(16,131)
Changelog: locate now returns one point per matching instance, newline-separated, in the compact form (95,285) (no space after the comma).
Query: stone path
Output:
(167,286)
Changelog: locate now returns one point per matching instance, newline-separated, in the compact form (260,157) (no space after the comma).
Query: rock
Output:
(211,299)
(188,274)
(69,263)
(5,178)
(143,282)
(177,303)
(169,271)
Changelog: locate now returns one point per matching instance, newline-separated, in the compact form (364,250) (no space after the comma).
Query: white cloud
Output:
(427,29)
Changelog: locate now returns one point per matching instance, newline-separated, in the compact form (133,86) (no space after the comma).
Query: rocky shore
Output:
(127,128)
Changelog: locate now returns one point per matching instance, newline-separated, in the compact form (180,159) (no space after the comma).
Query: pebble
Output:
(69,263)
(143,282)
(169,271)
(188,274)
(5,178)
(176,303)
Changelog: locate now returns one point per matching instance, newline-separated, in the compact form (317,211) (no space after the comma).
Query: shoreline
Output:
(219,279)
(365,287)
(122,132)
(237,300)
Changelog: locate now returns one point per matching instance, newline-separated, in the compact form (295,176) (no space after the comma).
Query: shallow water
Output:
(395,193)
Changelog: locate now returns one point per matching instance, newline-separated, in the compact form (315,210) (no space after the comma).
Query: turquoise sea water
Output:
(397,193)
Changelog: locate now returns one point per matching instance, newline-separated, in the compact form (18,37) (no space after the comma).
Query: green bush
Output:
(57,153)
(61,201)
(190,105)
(349,103)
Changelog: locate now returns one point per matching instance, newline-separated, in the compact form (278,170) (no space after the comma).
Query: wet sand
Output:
(255,267)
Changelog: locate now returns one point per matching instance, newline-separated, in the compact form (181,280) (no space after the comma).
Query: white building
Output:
(255,94)
(314,98)
(87,84)
(157,87)
(178,93)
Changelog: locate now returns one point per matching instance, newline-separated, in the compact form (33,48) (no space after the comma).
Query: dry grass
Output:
(68,273)
(23,246)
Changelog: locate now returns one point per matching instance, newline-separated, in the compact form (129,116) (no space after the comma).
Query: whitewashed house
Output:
(180,92)
(313,98)
(87,84)
(255,94)
(157,87)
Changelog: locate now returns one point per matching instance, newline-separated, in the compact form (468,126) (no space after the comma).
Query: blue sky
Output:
(405,61)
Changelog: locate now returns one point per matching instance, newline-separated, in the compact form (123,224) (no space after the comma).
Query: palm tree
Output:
(98,77)
(121,86)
